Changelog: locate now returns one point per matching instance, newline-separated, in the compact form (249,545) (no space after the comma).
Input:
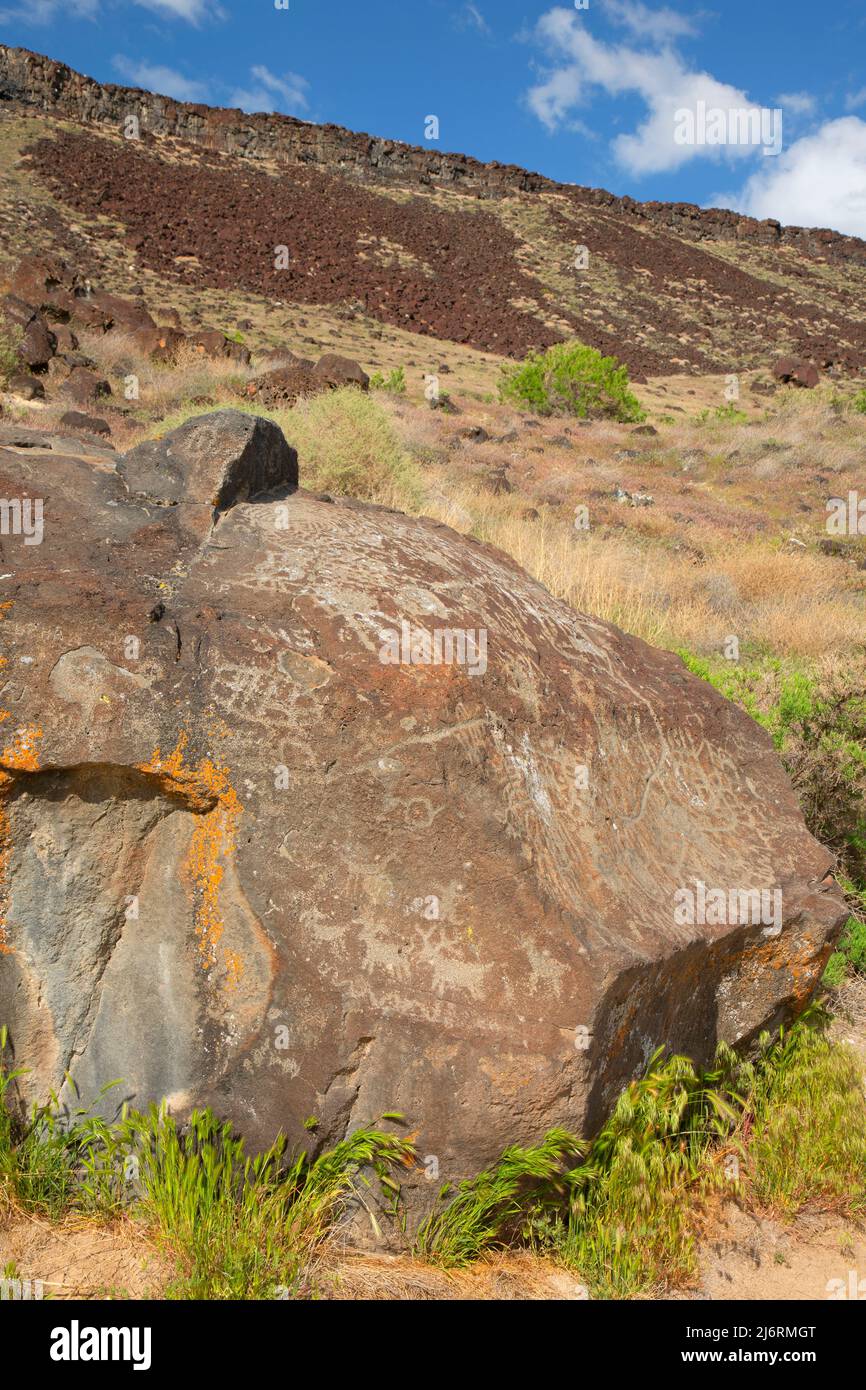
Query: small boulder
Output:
(28,387)
(285,385)
(214,460)
(161,344)
(84,386)
(119,314)
(794,371)
(89,424)
(65,338)
(38,345)
(214,343)
(335,370)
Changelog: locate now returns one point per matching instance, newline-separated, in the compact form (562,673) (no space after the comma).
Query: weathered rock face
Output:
(262,849)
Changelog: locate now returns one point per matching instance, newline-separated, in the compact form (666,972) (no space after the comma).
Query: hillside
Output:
(404,240)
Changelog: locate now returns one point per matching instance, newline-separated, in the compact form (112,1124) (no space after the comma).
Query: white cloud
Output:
(660,79)
(819,181)
(470,17)
(194,11)
(855,99)
(156,78)
(798,103)
(44,11)
(660,25)
(289,91)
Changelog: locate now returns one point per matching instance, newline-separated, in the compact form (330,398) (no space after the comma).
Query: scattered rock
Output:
(38,344)
(84,386)
(162,344)
(28,387)
(634,499)
(89,424)
(215,344)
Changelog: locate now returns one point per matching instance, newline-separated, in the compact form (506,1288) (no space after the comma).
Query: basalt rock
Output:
(35,80)
(309,807)
(335,370)
(87,424)
(28,387)
(794,372)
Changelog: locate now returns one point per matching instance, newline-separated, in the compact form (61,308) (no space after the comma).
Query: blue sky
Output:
(586,95)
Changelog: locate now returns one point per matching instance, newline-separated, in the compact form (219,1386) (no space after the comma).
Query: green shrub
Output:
(780,1130)
(571,379)
(858,403)
(850,953)
(395,383)
(10,362)
(817,720)
(347,445)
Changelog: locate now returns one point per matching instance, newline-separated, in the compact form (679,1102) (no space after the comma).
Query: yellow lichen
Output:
(19,755)
(206,789)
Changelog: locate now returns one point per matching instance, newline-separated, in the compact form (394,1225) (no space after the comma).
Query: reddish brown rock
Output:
(795,372)
(38,344)
(28,387)
(65,338)
(215,344)
(121,315)
(285,385)
(341,371)
(89,424)
(84,385)
(364,878)
(162,344)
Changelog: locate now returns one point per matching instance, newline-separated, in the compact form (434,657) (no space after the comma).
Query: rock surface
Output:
(247,861)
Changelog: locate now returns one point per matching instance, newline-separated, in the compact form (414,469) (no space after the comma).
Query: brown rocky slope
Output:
(430,242)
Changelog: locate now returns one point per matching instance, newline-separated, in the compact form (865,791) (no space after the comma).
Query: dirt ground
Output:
(815,1257)
(81,1258)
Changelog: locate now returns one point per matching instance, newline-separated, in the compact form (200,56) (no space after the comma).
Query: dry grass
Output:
(727,548)
(506,1275)
(784,601)
(161,386)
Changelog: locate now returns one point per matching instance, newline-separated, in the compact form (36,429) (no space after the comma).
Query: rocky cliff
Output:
(35,80)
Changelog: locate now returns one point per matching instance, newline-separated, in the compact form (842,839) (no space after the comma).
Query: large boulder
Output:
(310,808)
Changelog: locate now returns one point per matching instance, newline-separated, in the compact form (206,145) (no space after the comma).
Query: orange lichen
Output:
(19,755)
(206,789)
